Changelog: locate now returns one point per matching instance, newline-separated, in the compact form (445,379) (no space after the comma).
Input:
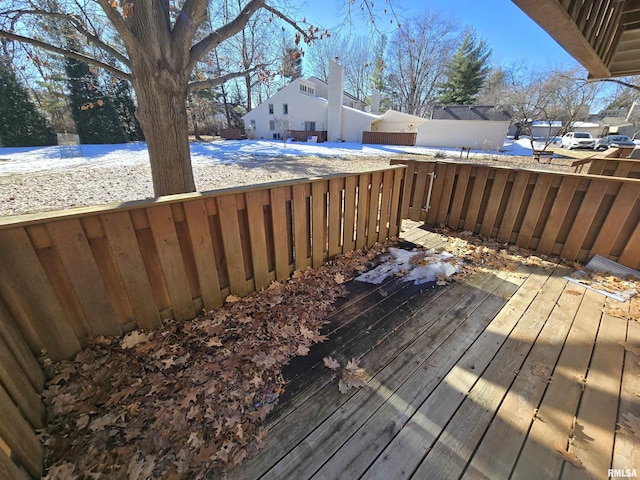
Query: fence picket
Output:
(571,215)
(204,256)
(170,256)
(73,248)
(20,438)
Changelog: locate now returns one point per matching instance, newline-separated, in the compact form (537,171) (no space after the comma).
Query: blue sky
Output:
(512,35)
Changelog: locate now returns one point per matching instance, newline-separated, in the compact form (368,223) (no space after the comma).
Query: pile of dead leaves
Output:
(186,401)
(480,253)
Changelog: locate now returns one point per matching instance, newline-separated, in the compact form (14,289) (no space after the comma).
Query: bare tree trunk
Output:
(162,114)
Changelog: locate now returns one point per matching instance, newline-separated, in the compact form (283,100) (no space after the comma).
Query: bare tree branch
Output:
(77,23)
(214,82)
(619,82)
(219,35)
(193,13)
(118,22)
(293,23)
(67,53)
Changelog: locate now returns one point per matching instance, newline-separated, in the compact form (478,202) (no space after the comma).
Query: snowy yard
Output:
(38,179)
(37,159)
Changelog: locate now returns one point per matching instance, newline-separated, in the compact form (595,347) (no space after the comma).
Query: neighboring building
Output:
(456,126)
(312,106)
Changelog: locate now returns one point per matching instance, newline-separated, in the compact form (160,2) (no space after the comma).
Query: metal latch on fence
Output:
(427,207)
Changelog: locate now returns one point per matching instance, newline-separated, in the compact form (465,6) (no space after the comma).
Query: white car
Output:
(578,140)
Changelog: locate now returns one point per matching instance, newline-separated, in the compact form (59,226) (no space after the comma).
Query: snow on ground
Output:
(24,160)
(417,266)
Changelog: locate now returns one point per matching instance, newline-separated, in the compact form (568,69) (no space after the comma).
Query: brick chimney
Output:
(336,89)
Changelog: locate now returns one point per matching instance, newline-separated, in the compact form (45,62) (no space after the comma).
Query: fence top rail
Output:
(528,170)
(31,218)
(605,159)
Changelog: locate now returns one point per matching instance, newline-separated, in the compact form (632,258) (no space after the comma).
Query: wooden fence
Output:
(232,133)
(389,138)
(615,167)
(68,275)
(599,165)
(21,409)
(573,216)
(303,135)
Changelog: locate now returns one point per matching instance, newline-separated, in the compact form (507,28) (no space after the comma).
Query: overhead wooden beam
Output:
(631,6)
(556,21)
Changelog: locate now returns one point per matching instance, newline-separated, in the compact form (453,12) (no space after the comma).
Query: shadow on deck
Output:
(504,374)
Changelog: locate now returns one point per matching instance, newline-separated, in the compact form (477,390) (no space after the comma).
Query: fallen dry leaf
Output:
(134,338)
(539,371)
(141,468)
(232,299)
(581,380)
(632,423)
(339,278)
(630,348)
(570,457)
(331,363)
(572,292)
(190,397)
(352,377)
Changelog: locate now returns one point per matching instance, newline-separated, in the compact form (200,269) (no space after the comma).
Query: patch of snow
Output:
(22,160)
(417,266)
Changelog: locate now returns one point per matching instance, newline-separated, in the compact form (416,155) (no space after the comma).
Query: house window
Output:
(310,126)
(285,108)
(272,124)
(253,125)
(271,109)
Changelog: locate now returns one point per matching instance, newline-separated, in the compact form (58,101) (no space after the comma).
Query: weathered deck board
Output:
(499,448)
(595,423)
(557,410)
(626,451)
(305,415)
(310,454)
(484,378)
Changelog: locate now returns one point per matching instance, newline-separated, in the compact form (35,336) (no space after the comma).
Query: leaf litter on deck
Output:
(188,400)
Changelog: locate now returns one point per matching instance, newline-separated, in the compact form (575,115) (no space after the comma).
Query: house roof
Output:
(395,116)
(603,35)
(468,112)
(314,79)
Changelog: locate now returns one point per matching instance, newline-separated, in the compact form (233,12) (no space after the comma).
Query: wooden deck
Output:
(490,377)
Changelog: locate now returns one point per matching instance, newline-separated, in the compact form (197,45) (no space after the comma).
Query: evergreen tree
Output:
(377,75)
(97,119)
(292,63)
(21,124)
(123,101)
(466,72)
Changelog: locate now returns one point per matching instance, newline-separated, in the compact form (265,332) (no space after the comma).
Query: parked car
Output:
(614,141)
(578,140)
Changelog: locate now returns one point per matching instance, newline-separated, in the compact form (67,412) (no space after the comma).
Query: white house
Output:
(311,105)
